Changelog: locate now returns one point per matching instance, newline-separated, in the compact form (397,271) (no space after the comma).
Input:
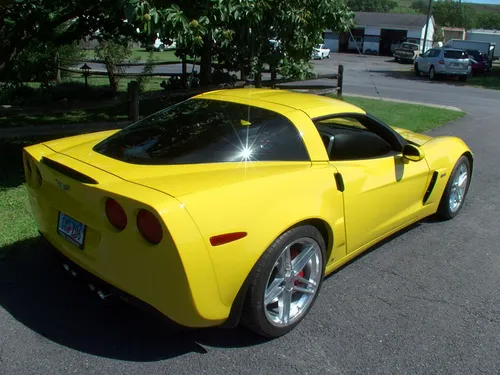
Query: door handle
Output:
(340,182)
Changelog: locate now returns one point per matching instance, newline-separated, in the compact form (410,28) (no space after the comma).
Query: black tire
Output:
(396,59)
(462,78)
(417,72)
(254,310)
(432,73)
(444,210)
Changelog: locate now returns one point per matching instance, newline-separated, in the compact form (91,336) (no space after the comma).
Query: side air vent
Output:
(430,187)
(61,168)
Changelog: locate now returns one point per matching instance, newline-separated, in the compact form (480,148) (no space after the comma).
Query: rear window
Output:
(454,55)
(410,46)
(207,131)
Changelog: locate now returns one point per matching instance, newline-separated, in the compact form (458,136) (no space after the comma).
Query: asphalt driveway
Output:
(425,302)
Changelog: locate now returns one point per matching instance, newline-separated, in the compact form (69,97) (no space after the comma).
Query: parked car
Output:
(320,52)
(444,62)
(479,63)
(355,44)
(232,205)
(407,52)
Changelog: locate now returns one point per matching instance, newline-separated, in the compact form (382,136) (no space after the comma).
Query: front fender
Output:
(441,154)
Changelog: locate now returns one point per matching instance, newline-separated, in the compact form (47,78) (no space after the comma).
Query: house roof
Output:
(390,19)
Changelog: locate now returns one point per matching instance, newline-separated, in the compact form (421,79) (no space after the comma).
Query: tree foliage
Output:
(235,32)
(383,6)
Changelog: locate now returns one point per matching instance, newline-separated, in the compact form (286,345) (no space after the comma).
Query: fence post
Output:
(133,97)
(340,80)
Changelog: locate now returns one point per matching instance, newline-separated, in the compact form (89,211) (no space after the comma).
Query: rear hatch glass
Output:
(459,55)
(207,131)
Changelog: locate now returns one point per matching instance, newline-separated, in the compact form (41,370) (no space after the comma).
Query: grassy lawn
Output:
(417,118)
(142,55)
(488,80)
(103,114)
(16,220)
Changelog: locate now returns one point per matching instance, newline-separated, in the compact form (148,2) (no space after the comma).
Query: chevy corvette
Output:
(231,207)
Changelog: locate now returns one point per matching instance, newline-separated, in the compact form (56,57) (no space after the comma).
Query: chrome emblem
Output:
(61,185)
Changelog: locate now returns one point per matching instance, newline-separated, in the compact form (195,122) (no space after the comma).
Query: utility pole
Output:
(427,25)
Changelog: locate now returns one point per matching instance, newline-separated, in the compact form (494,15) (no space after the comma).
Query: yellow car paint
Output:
(185,277)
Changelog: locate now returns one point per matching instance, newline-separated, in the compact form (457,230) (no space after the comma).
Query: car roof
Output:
(311,104)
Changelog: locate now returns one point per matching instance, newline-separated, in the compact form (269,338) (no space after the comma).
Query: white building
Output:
(382,33)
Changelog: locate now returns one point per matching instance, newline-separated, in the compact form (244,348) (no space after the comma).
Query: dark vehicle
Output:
(478,61)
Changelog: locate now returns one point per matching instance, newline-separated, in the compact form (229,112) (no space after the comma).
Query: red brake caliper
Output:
(293,254)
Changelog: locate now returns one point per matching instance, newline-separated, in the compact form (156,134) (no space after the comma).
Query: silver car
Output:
(444,61)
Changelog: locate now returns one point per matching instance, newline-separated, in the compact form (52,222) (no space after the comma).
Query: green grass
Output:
(489,80)
(417,118)
(142,55)
(103,114)
(16,219)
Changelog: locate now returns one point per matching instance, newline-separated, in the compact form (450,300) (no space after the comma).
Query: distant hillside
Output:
(477,7)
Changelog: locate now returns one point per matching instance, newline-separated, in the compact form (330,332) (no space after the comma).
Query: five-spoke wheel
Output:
(456,189)
(285,282)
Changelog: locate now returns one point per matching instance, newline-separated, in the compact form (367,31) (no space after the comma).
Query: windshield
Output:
(319,46)
(410,46)
(207,131)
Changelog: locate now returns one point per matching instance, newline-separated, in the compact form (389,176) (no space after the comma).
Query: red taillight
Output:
(227,237)
(441,62)
(116,214)
(149,227)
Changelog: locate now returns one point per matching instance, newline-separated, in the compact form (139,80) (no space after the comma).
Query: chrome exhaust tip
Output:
(101,294)
(66,267)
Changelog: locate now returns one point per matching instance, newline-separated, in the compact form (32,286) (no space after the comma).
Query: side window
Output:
(347,138)
(434,53)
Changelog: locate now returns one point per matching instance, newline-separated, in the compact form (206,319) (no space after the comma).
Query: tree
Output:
(241,30)
(488,20)
(420,6)
(454,14)
(383,6)
(29,25)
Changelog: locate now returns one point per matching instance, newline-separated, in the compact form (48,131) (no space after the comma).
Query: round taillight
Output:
(149,227)
(116,214)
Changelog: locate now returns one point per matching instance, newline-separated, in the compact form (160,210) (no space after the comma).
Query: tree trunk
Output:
(206,60)
(113,83)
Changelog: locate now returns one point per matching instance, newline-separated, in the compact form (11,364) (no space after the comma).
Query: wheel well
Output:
(325,230)
(468,155)
(237,307)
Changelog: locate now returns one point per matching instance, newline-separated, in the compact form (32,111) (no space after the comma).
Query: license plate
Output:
(71,229)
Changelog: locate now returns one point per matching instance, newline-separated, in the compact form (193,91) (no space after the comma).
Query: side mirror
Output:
(412,152)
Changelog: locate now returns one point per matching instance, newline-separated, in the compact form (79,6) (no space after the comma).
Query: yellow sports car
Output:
(230,207)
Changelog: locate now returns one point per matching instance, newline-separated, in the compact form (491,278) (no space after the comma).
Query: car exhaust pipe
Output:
(101,294)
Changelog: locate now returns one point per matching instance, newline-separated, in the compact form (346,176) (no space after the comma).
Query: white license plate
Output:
(71,229)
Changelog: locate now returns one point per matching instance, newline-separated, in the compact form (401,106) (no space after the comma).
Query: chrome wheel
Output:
(458,188)
(293,282)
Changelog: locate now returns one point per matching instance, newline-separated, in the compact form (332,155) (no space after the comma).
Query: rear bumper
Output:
(99,285)
(453,72)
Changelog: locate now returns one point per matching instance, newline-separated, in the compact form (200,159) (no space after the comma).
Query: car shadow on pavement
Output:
(409,75)
(37,292)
